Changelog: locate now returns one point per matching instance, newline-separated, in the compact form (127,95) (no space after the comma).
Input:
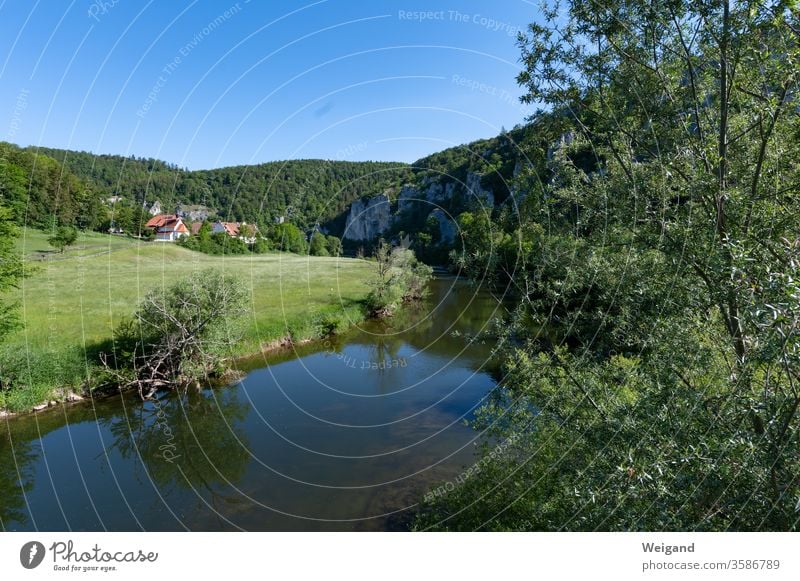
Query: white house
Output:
(168,227)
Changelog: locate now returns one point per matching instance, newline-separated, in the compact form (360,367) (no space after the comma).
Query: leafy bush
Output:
(398,277)
(179,334)
(63,236)
(288,238)
(318,245)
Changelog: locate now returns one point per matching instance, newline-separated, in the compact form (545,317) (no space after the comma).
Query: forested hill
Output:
(55,186)
(39,191)
(304,191)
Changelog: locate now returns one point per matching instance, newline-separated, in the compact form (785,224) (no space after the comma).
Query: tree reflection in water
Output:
(189,441)
(16,479)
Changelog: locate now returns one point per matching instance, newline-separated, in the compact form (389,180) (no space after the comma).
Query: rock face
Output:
(437,193)
(431,191)
(476,190)
(516,197)
(448,230)
(565,140)
(368,218)
(408,198)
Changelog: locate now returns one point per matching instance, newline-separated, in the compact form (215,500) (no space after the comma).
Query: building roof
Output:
(167,222)
(196,228)
(158,221)
(231,228)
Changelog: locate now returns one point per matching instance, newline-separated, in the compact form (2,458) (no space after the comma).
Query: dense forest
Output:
(40,191)
(303,191)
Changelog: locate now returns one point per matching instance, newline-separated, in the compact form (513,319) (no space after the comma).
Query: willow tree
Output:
(179,335)
(666,393)
(693,103)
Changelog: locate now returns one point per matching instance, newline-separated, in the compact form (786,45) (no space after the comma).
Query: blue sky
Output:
(213,83)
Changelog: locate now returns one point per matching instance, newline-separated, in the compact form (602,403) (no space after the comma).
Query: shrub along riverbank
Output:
(71,304)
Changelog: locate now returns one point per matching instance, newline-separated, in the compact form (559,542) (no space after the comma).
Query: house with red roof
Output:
(168,227)
(240,230)
(229,228)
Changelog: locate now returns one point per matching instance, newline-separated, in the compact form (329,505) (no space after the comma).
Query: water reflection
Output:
(341,435)
(193,441)
(16,478)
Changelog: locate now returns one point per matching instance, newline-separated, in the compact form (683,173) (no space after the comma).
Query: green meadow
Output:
(71,302)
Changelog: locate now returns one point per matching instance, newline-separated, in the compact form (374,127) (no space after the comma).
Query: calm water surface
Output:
(342,435)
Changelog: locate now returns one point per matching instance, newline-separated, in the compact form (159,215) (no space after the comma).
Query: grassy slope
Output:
(72,301)
(33,244)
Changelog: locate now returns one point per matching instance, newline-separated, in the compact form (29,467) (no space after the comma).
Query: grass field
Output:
(34,246)
(72,301)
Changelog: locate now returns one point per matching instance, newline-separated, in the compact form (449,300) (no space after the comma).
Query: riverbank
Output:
(342,434)
(70,306)
(242,361)
(60,396)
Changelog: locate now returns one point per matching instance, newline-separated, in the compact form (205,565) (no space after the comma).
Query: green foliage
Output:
(218,243)
(181,333)
(288,238)
(412,275)
(128,217)
(261,246)
(208,303)
(318,245)
(652,359)
(204,233)
(63,237)
(40,192)
(398,276)
(29,377)
(333,245)
(11,271)
(307,191)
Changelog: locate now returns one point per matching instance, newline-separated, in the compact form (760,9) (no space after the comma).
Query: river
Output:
(343,434)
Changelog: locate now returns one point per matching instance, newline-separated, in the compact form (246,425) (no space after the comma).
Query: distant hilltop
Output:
(357,201)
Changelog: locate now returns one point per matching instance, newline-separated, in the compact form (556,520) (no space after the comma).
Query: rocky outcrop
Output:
(477,191)
(448,229)
(436,192)
(432,191)
(566,139)
(368,218)
(408,198)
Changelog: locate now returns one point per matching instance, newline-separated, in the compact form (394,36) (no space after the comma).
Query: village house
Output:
(241,230)
(168,227)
